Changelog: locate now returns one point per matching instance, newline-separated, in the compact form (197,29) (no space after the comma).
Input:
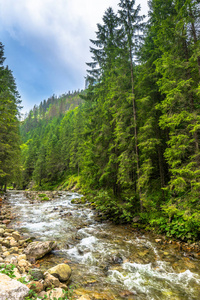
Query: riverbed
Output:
(110,260)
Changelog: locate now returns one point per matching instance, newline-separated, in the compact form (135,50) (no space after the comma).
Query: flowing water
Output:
(112,261)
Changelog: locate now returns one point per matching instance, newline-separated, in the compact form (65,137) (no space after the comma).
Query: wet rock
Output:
(117,260)
(56,293)
(36,274)
(12,289)
(50,281)
(39,249)
(61,271)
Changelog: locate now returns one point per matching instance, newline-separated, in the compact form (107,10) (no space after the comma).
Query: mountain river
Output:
(114,261)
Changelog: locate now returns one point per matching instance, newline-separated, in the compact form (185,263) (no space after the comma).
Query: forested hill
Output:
(133,144)
(48,109)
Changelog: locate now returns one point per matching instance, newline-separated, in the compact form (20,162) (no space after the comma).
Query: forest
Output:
(130,141)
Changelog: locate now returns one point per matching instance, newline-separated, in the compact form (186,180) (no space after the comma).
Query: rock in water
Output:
(39,249)
(61,271)
(12,289)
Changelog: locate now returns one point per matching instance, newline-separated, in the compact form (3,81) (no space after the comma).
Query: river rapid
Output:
(106,259)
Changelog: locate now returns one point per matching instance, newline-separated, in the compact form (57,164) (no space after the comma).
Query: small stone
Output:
(14,250)
(42,295)
(55,294)
(11,259)
(36,286)
(24,265)
(50,281)
(9,230)
(22,256)
(21,242)
(16,235)
(2,231)
(13,242)
(16,273)
(6,243)
(7,253)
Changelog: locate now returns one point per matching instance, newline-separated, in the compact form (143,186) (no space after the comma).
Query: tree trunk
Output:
(135,130)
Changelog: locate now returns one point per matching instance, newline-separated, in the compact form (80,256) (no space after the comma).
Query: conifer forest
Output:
(130,140)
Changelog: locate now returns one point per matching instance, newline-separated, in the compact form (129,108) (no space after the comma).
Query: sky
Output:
(46,43)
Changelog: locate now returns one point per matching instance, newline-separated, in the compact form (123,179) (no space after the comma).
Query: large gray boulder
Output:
(39,249)
(61,271)
(12,289)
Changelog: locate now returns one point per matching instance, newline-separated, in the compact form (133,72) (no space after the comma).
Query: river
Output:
(113,260)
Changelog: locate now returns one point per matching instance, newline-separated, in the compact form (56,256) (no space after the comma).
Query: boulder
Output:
(39,249)
(61,271)
(12,289)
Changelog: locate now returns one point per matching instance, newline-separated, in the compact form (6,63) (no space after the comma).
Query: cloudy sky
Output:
(47,43)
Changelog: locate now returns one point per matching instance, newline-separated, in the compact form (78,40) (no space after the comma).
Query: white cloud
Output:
(57,32)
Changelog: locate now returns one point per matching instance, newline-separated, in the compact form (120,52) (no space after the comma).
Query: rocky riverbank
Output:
(19,278)
(113,250)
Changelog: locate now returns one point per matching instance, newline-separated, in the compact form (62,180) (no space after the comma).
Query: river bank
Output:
(20,277)
(107,261)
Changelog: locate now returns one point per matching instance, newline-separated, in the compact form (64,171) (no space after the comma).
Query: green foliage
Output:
(118,212)
(7,269)
(9,126)
(131,144)
(42,195)
(45,199)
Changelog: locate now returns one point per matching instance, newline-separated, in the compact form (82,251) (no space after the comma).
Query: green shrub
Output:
(42,195)
(45,199)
